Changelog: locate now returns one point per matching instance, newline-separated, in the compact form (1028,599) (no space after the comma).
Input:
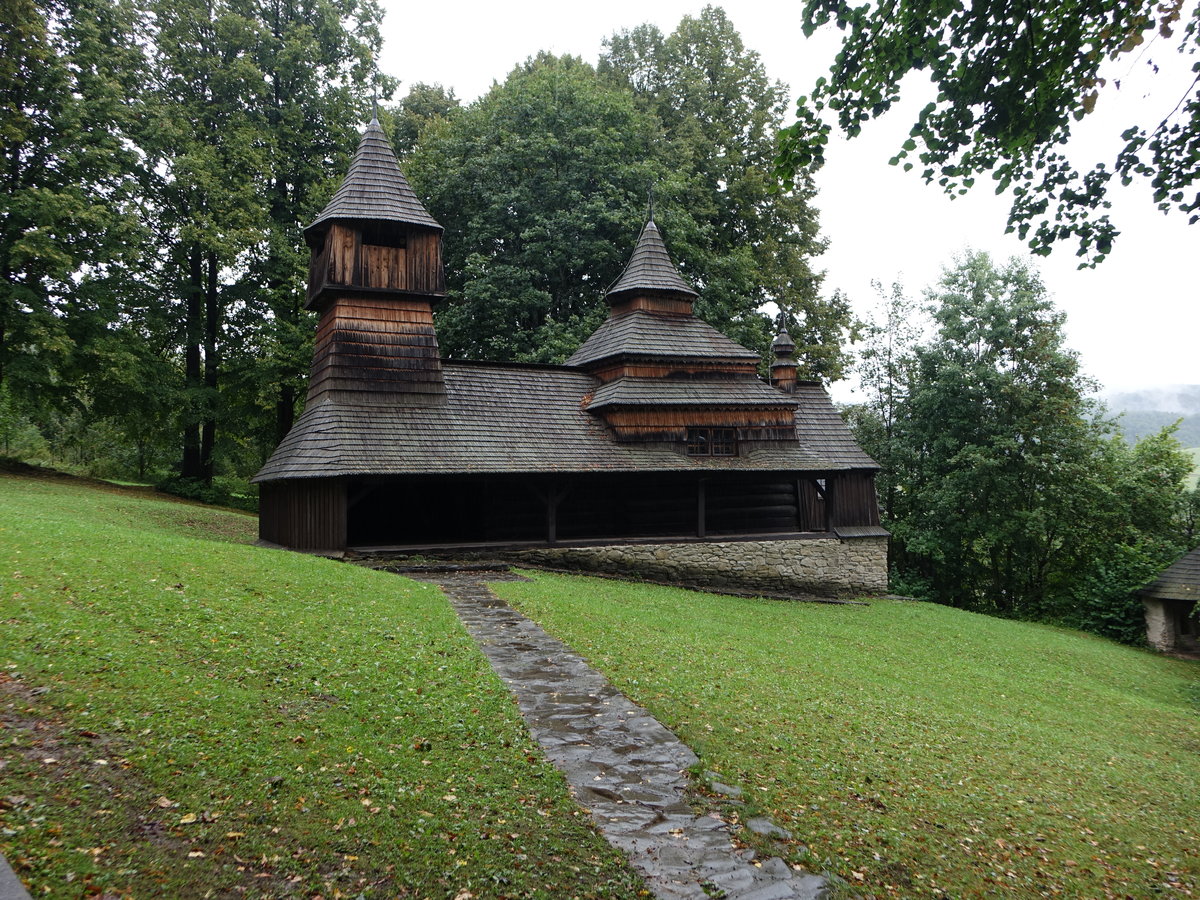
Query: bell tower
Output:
(374,276)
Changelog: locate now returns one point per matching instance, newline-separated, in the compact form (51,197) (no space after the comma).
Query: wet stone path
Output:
(622,764)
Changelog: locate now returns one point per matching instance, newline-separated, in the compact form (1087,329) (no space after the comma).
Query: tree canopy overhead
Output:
(1011,77)
(542,187)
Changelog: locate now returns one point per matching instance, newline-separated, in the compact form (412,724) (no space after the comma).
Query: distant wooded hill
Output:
(1146,411)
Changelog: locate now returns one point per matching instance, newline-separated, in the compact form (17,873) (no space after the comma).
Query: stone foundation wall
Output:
(825,566)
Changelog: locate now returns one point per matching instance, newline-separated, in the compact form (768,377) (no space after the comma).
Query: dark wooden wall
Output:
(677,369)
(854,499)
(447,510)
(413,264)
(304,514)
(659,424)
(665,303)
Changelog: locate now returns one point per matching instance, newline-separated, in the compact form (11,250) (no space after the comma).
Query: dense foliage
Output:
(1006,487)
(164,155)
(1011,78)
(542,186)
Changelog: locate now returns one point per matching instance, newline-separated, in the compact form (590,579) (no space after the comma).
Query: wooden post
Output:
(553,496)
(701,524)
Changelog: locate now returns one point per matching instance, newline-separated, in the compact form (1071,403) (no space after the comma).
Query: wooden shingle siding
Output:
(376,345)
(631,420)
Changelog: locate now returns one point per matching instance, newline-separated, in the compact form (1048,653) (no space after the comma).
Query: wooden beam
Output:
(701,515)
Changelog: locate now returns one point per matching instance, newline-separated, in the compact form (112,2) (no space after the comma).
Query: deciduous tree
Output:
(67,178)
(1014,493)
(1011,79)
(541,186)
(756,244)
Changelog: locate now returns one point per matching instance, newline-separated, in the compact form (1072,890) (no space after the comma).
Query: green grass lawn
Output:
(183,715)
(916,750)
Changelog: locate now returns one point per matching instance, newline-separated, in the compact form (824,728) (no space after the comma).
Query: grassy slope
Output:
(917,750)
(182,713)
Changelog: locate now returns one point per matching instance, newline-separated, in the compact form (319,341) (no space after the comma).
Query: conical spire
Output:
(650,268)
(375,188)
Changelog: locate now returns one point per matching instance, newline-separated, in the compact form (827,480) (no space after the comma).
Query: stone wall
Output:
(825,566)
(1160,629)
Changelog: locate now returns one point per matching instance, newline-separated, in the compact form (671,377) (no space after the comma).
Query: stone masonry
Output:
(824,566)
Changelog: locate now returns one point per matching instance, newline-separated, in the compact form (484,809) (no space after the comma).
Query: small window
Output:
(712,442)
(381,234)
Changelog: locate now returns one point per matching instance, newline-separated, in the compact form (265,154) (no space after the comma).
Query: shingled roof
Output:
(508,419)
(821,429)
(650,268)
(647,334)
(1181,581)
(706,393)
(375,188)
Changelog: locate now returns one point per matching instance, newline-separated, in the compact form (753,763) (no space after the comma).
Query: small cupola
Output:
(650,280)
(783,363)
(374,235)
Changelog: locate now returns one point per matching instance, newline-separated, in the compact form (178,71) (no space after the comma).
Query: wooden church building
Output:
(655,449)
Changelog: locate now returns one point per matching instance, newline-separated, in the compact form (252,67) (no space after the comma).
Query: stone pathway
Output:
(623,765)
(10,885)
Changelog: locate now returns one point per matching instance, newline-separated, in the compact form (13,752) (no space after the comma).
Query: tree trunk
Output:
(194,327)
(212,327)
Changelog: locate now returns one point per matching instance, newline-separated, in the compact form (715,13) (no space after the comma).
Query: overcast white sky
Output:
(1135,319)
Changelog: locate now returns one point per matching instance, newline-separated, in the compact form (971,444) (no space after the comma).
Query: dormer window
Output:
(712,442)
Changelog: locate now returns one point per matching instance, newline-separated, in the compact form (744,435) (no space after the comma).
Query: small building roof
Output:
(522,419)
(709,393)
(650,268)
(1180,581)
(374,188)
(646,334)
